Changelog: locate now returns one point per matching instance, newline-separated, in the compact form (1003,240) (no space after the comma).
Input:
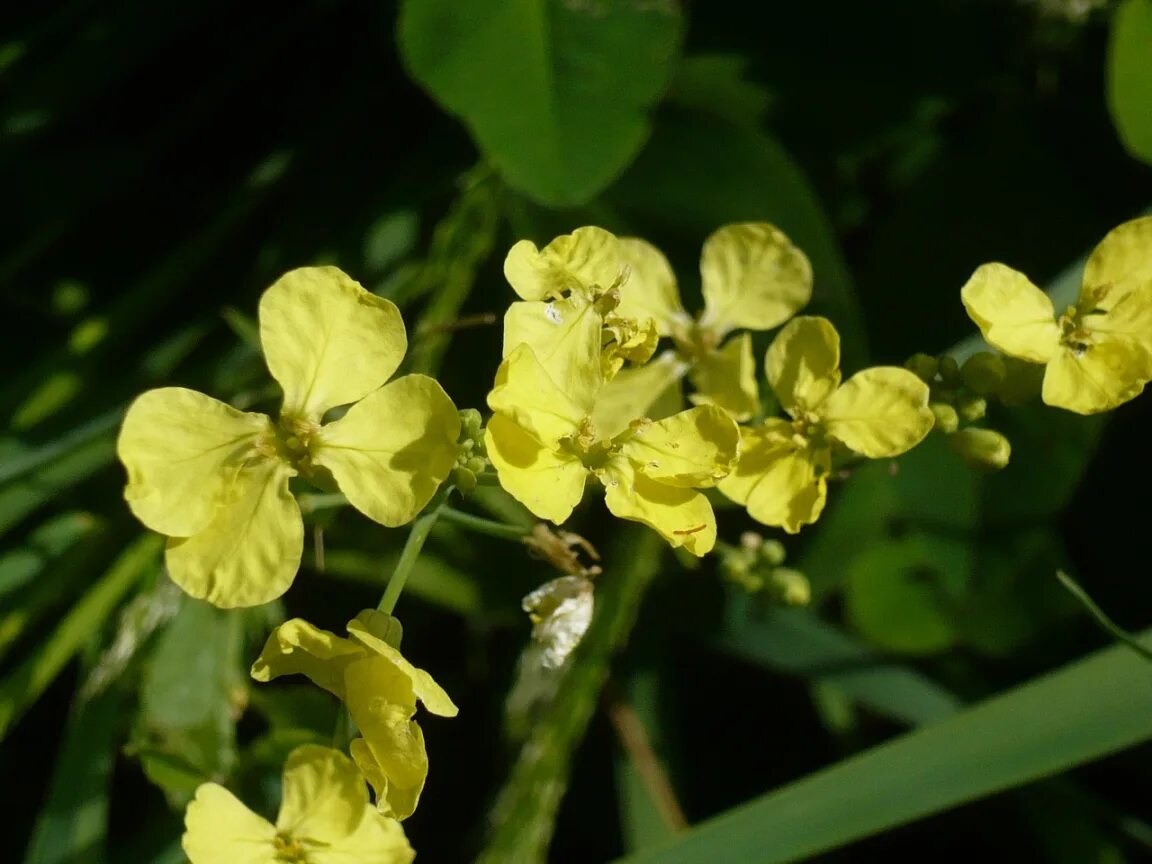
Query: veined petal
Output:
(323,795)
(548,482)
(650,290)
(527,395)
(327,341)
(1122,262)
(1012,313)
(1100,379)
(378,839)
(365,628)
(652,390)
(879,412)
(803,363)
(783,483)
(587,257)
(564,335)
(753,277)
(299,648)
(393,448)
(727,377)
(250,552)
(680,515)
(391,799)
(692,449)
(1129,321)
(182,450)
(218,827)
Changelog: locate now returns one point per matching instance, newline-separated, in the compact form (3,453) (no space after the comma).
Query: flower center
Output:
(288,850)
(294,439)
(586,445)
(808,430)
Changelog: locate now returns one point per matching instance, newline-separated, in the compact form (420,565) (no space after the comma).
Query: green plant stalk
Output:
(480,525)
(421,528)
(1110,626)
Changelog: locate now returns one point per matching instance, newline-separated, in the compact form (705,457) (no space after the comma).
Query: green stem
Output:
(480,525)
(1101,618)
(412,548)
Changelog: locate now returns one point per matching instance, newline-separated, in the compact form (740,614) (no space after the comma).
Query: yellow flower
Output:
(544,443)
(325,818)
(880,412)
(1098,354)
(752,278)
(380,689)
(215,479)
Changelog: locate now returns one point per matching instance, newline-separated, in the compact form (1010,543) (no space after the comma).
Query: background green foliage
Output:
(161,165)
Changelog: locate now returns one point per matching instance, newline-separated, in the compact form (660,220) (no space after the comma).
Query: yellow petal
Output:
(327,341)
(727,377)
(393,448)
(1100,379)
(526,394)
(803,363)
(1122,262)
(753,277)
(390,798)
(781,482)
(250,552)
(1011,312)
(548,482)
(681,516)
(650,290)
(651,390)
(219,828)
(299,648)
(1128,320)
(693,448)
(182,450)
(378,839)
(365,628)
(565,336)
(323,795)
(879,412)
(578,261)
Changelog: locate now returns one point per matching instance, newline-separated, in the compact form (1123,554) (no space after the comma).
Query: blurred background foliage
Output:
(163,164)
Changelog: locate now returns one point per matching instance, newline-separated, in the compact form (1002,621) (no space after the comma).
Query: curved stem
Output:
(480,525)
(412,548)
(1115,630)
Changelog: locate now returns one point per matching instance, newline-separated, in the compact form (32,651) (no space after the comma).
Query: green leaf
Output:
(1078,713)
(556,94)
(1130,76)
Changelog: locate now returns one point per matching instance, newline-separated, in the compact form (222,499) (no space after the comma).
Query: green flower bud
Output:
(947,420)
(471,424)
(984,373)
(971,408)
(983,449)
(923,366)
(463,479)
(949,371)
(772,552)
(790,587)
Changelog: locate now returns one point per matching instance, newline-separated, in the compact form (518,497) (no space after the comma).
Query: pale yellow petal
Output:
(297,647)
(650,290)
(652,390)
(1122,262)
(680,515)
(390,798)
(548,482)
(693,448)
(363,628)
(393,449)
(327,341)
(182,451)
(323,795)
(250,552)
(753,277)
(803,364)
(1127,321)
(879,412)
(1099,379)
(219,828)
(565,337)
(525,394)
(588,257)
(727,377)
(1012,313)
(378,839)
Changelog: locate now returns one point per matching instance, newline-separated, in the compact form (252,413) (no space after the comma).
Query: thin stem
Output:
(412,548)
(311,502)
(1101,618)
(480,525)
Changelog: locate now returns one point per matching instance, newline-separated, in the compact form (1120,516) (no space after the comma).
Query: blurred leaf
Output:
(23,686)
(556,93)
(1078,713)
(25,495)
(433,579)
(48,541)
(717,84)
(1130,76)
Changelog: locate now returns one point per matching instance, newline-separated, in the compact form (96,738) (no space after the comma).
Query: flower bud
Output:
(971,408)
(983,449)
(947,420)
(949,371)
(984,373)
(923,366)
(790,587)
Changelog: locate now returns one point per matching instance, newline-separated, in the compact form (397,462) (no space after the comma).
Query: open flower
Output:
(544,443)
(215,479)
(379,687)
(878,413)
(325,818)
(752,278)
(1098,353)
